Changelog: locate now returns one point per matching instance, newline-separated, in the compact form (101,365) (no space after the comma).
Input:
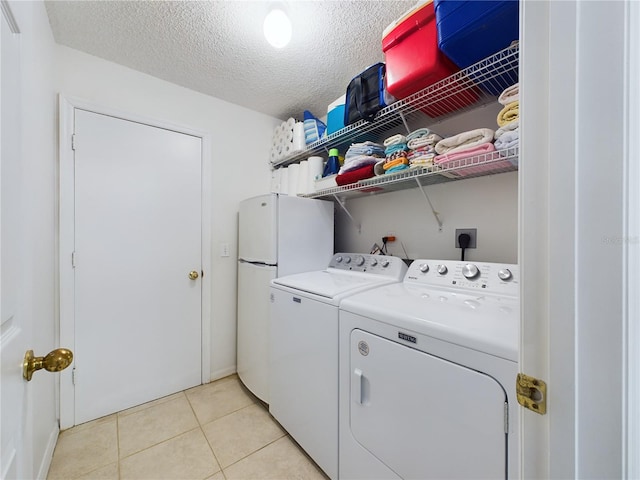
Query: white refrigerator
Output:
(278,235)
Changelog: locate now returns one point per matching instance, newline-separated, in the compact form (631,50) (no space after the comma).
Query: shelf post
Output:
(341,203)
(404,121)
(435,214)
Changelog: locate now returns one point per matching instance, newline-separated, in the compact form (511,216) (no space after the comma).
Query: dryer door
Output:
(425,417)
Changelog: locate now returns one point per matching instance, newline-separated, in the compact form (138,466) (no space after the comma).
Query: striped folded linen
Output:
(464,140)
(509,113)
(509,95)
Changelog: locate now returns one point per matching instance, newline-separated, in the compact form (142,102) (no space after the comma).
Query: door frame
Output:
(66,225)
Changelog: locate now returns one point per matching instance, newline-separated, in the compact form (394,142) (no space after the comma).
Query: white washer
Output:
(427,375)
(303,365)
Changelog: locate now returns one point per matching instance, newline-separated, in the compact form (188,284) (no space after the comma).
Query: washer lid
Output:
(330,283)
(482,322)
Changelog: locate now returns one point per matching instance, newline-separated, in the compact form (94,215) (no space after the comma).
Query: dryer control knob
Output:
(339,259)
(359,261)
(347,259)
(374,262)
(442,269)
(505,274)
(424,268)
(470,271)
(385,263)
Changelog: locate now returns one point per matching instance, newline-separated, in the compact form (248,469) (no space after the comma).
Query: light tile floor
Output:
(212,432)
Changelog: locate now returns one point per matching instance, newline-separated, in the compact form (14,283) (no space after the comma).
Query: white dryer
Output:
(427,375)
(303,392)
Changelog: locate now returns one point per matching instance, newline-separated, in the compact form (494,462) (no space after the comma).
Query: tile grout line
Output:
(205,437)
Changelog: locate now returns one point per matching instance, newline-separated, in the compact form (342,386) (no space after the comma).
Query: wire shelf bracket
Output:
(342,202)
(433,210)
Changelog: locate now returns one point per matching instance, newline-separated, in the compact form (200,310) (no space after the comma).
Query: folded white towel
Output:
(510,95)
(356,162)
(508,139)
(395,139)
(507,128)
(464,140)
(430,139)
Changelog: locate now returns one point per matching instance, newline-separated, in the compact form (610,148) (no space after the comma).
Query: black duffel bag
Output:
(365,95)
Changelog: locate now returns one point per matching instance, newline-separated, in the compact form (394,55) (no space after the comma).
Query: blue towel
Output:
(396,147)
(396,169)
(421,132)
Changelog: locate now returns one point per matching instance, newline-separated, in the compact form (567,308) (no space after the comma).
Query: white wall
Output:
(241,140)
(487,203)
(38,255)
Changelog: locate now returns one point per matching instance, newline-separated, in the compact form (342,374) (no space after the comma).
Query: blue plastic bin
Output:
(469,31)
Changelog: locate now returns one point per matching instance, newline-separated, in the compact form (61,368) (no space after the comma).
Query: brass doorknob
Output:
(54,361)
(193,275)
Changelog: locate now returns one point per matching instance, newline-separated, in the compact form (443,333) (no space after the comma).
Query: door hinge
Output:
(532,393)
(73,259)
(73,375)
(73,141)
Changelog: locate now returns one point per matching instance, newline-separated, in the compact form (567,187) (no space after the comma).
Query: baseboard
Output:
(48,453)
(225,372)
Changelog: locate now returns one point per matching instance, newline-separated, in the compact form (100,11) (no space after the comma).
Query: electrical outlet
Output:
(472,232)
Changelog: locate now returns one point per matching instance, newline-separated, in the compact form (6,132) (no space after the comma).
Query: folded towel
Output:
(365,148)
(464,140)
(398,138)
(508,140)
(355,175)
(422,158)
(466,153)
(421,151)
(378,168)
(421,132)
(397,147)
(430,139)
(511,94)
(396,169)
(354,163)
(509,113)
(398,154)
(394,163)
(507,128)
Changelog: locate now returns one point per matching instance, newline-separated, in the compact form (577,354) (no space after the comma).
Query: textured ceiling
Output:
(217,47)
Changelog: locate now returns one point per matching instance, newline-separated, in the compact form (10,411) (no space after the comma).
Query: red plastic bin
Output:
(415,62)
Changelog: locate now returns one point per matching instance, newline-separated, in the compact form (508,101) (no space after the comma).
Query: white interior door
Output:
(15,328)
(137,237)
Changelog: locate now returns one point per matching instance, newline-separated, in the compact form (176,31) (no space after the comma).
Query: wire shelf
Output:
(500,161)
(470,88)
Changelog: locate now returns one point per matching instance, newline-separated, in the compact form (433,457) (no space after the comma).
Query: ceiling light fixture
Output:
(277,28)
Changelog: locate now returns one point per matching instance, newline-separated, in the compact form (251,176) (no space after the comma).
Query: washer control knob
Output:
(385,263)
(347,259)
(424,268)
(470,271)
(505,274)
(442,269)
(359,261)
(339,259)
(374,262)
